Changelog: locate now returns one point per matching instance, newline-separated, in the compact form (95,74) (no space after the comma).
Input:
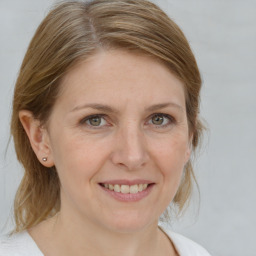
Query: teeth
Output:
(134,189)
(125,189)
(117,188)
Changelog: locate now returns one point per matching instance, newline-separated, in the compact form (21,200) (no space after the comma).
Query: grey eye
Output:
(157,119)
(95,121)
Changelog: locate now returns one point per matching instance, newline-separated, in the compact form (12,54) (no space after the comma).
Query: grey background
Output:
(223,37)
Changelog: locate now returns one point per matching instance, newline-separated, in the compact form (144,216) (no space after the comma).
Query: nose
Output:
(130,149)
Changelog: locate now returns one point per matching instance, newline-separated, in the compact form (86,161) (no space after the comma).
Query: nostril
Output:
(127,155)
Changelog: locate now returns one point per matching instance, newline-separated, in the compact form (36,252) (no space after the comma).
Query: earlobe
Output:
(38,137)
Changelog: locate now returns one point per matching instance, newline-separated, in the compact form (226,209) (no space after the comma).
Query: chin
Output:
(130,223)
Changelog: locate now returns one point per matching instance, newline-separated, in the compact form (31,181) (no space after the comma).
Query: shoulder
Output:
(185,246)
(20,244)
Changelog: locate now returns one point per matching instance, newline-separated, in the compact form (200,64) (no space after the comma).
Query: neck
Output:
(95,240)
(66,236)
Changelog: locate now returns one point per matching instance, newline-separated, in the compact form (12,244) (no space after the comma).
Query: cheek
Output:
(78,159)
(172,151)
(77,163)
(170,156)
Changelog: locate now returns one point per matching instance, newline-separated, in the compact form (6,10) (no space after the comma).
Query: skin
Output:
(127,144)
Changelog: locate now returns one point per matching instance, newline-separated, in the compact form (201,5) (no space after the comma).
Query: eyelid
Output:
(85,119)
(172,120)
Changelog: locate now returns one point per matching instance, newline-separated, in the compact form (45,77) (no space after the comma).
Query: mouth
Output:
(126,189)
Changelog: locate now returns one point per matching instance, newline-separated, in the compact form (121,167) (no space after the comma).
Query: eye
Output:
(94,121)
(161,120)
(157,120)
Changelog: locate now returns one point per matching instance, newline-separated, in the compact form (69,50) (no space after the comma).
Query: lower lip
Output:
(129,197)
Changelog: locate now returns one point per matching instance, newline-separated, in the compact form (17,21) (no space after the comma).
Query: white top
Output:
(22,244)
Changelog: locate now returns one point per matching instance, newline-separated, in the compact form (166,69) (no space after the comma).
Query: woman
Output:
(105,118)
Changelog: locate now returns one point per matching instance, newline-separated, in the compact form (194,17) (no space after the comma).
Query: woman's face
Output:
(119,139)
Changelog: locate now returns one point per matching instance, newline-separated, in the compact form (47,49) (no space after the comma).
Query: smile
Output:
(126,189)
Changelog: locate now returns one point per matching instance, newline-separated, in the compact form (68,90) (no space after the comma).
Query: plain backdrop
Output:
(222,34)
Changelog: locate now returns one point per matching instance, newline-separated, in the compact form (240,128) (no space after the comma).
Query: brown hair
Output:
(71,32)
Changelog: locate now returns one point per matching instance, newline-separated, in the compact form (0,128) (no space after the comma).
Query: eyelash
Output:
(171,120)
(84,120)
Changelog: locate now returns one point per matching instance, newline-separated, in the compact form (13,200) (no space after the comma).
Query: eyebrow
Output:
(108,109)
(164,105)
(96,106)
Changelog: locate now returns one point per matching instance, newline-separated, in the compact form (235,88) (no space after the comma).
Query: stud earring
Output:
(44,159)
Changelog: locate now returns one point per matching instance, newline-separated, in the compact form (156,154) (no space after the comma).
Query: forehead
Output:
(116,73)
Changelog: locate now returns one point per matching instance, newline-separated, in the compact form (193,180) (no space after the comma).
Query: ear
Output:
(38,137)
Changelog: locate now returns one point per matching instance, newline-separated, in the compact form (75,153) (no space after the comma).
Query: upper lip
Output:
(127,182)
